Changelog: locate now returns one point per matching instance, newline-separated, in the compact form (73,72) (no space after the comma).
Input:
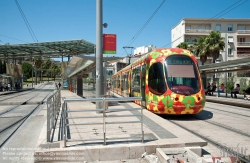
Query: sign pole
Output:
(99,55)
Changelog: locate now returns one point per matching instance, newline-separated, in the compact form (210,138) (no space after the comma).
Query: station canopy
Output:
(228,66)
(46,49)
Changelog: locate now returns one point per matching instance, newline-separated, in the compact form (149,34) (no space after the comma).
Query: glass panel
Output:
(136,81)
(217,27)
(156,80)
(182,75)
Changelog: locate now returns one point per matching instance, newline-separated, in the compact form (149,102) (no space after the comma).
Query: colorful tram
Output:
(168,80)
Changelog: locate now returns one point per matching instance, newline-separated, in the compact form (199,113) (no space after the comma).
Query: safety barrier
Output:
(104,116)
(53,109)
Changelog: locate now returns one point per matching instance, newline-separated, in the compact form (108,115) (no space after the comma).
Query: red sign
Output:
(109,44)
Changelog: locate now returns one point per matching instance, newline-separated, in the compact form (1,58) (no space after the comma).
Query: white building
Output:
(236,33)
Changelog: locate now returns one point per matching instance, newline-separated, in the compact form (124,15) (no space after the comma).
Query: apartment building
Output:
(235,31)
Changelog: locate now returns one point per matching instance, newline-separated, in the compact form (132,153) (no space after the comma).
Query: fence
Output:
(104,116)
(53,108)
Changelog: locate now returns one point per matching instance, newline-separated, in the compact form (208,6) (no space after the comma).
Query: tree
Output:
(200,50)
(1,67)
(56,69)
(214,44)
(183,45)
(230,84)
(27,69)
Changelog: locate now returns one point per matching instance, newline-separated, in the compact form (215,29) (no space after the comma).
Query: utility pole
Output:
(225,60)
(129,55)
(99,55)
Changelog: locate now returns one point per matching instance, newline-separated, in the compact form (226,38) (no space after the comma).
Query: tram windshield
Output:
(182,75)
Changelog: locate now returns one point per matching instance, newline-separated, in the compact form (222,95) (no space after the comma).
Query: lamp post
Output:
(99,54)
(41,75)
(32,74)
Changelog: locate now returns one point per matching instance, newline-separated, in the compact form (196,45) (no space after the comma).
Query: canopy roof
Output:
(85,64)
(46,49)
(238,64)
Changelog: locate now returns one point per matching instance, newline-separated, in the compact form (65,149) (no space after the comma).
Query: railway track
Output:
(18,94)
(13,118)
(213,125)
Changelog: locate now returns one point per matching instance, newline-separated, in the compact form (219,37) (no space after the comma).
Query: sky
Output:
(135,22)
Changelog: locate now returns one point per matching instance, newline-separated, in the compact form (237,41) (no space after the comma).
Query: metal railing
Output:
(243,31)
(53,109)
(104,116)
(197,31)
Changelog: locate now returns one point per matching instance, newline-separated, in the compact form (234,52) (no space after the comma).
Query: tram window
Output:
(182,75)
(118,82)
(114,82)
(124,81)
(136,80)
(156,81)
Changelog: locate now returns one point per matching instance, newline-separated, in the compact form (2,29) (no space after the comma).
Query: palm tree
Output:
(214,44)
(200,50)
(183,45)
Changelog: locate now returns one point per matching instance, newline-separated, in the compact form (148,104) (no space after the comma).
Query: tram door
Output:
(143,85)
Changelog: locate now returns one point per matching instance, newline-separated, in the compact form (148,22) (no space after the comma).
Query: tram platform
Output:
(25,88)
(227,100)
(158,133)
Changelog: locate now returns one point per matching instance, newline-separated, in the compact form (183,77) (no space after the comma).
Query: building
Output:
(236,33)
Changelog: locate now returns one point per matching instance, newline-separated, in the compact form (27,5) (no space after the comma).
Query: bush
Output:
(243,84)
(230,84)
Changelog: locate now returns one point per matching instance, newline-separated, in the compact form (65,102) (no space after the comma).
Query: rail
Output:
(104,116)
(53,108)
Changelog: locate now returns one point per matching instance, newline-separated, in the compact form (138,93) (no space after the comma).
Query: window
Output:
(229,74)
(125,81)
(188,27)
(241,40)
(218,27)
(136,80)
(229,51)
(241,28)
(156,80)
(182,75)
(230,27)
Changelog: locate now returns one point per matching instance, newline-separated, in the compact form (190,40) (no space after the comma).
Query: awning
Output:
(46,49)
(224,65)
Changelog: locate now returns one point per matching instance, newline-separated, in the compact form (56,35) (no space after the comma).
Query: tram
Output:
(167,79)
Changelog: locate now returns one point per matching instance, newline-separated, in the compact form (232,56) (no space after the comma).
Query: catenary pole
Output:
(99,55)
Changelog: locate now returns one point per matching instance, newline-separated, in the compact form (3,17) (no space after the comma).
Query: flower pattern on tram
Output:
(168,102)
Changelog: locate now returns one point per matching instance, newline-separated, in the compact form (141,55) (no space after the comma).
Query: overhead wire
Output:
(145,24)
(214,17)
(13,38)
(26,22)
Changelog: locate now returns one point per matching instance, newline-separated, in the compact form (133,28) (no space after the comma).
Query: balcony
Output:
(198,31)
(244,55)
(243,43)
(243,31)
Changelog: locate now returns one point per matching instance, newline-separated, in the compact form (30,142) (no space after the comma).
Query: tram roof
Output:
(53,49)
(242,64)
